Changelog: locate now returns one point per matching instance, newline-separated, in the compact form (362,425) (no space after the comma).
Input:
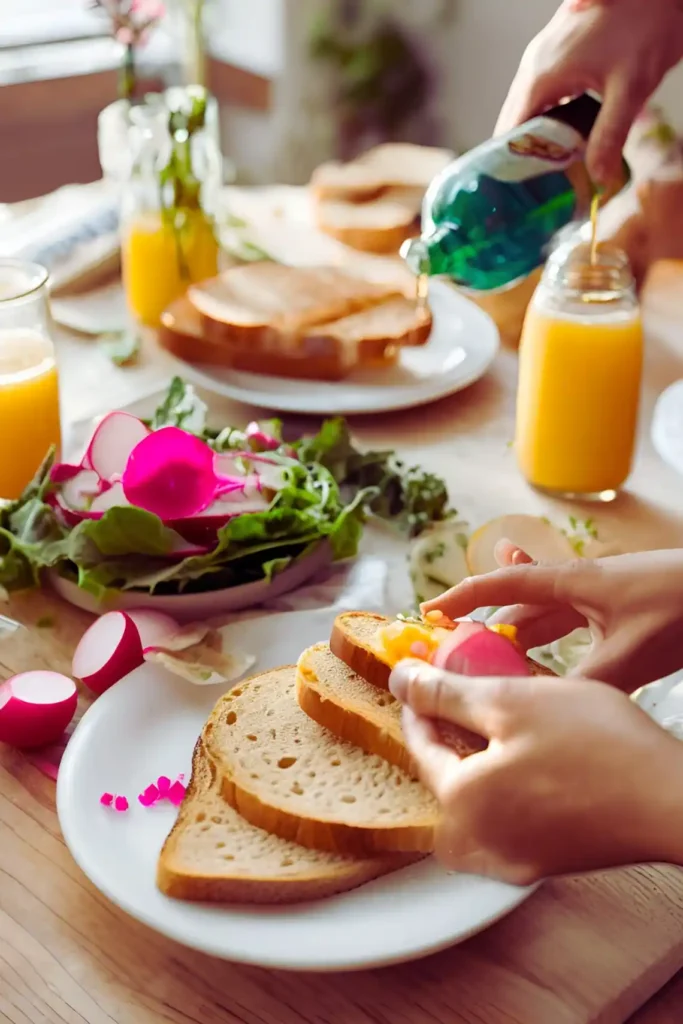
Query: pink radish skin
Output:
(114,439)
(35,708)
(108,651)
(153,627)
(77,492)
(64,471)
(483,653)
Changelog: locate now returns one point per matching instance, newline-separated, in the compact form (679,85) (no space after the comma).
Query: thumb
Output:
(621,105)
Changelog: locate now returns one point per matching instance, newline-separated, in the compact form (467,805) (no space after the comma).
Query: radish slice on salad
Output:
(78,492)
(114,439)
(36,707)
(113,497)
(482,653)
(152,627)
(107,651)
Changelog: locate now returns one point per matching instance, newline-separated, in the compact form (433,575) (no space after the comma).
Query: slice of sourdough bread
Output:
(283,772)
(340,700)
(352,640)
(214,855)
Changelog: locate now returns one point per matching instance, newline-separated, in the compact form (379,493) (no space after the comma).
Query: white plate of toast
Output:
(274,890)
(460,349)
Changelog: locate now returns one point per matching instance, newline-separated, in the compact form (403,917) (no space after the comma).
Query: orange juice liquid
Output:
(155,272)
(577,401)
(29,406)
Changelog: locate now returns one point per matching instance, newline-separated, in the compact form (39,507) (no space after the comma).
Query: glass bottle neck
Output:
(582,281)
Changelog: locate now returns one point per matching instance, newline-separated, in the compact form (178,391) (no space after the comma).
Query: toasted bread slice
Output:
(350,707)
(214,855)
(331,351)
(259,304)
(353,641)
(380,225)
(284,773)
(391,164)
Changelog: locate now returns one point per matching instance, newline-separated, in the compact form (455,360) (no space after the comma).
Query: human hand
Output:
(633,605)
(620,49)
(575,777)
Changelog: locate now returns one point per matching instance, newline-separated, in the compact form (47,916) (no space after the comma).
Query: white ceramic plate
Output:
(192,607)
(462,346)
(146,726)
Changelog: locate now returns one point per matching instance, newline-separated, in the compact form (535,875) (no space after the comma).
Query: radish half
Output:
(481,653)
(153,627)
(114,439)
(36,707)
(108,651)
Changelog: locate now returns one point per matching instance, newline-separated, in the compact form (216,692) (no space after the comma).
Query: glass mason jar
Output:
(580,372)
(29,395)
(169,202)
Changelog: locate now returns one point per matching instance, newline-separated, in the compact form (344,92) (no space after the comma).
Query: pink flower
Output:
(120,803)
(176,794)
(125,36)
(163,785)
(150,796)
(151,10)
(107,799)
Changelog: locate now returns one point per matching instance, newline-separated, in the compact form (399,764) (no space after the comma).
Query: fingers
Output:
(530,94)
(538,625)
(621,104)
(519,584)
(435,761)
(431,693)
(506,553)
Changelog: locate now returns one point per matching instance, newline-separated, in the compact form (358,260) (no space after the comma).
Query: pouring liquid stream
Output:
(595,206)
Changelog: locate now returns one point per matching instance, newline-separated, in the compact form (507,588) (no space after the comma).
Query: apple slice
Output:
(538,537)
(107,651)
(114,439)
(35,708)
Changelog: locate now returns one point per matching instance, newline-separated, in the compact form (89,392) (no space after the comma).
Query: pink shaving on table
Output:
(163,789)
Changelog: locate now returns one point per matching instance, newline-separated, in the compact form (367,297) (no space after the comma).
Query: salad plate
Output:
(147,725)
(462,347)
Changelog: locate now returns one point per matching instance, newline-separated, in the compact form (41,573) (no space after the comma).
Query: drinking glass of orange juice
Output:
(29,395)
(580,370)
(169,237)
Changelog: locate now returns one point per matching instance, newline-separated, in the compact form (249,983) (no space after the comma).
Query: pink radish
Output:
(153,627)
(36,707)
(77,492)
(114,439)
(63,471)
(113,497)
(107,651)
(482,653)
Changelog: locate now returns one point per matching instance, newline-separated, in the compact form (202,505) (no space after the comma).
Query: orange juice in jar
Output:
(169,239)
(580,371)
(29,393)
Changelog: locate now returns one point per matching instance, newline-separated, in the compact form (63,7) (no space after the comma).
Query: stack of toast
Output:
(317,323)
(302,785)
(374,203)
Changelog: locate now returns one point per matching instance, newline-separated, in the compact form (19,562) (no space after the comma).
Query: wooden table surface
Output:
(67,955)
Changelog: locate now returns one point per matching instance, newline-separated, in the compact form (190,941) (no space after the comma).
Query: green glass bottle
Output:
(490,217)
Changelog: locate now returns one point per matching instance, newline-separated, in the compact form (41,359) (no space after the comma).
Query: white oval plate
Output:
(192,607)
(146,726)
(462,346)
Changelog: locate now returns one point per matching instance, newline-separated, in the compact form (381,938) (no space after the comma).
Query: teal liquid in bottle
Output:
(489,219)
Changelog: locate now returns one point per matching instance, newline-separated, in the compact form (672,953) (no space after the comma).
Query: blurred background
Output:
(296,80)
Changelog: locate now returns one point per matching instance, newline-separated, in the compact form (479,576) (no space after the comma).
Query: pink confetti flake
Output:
(150,796)
(176,794)
(107,799)
(181,777)
(120,804)
(163,785)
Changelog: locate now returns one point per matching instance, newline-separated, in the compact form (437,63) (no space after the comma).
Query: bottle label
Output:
(536,147)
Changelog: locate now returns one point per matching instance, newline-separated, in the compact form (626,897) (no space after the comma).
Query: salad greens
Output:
(328,491)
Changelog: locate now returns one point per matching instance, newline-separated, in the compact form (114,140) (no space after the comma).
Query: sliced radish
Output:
(114,439)
(36,707)
(482,653)
(113,497)
(538,537)
(63,471)
(78,492)
(107,651)
(152,627)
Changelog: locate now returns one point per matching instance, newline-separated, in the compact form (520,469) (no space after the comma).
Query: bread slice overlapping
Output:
(391,164)
(213,855)
(286,774)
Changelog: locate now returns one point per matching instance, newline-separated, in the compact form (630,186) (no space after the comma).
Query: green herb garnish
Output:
(121,347)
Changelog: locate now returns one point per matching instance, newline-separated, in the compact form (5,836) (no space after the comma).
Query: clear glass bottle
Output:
(169,238)
(490,217)
(580,367)
(29,392)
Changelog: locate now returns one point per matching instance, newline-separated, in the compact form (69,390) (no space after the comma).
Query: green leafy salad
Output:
(282,501)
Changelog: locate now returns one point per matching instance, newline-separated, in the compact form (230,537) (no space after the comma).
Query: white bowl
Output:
(191,607)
